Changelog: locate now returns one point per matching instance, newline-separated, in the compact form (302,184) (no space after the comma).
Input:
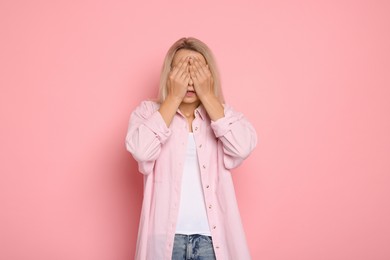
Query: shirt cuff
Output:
(224,124)
(158,126)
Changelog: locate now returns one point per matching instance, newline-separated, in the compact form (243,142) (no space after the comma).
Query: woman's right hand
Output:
(178,79)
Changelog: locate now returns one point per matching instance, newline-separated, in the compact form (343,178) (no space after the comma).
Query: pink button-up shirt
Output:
(160,153)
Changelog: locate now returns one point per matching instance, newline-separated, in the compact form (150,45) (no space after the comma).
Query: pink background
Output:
(312,76)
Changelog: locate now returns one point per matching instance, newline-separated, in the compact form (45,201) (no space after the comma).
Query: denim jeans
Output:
(193,247)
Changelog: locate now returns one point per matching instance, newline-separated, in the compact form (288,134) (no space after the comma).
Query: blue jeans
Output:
(193,247)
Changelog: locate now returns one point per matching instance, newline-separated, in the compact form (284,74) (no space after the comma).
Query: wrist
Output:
(213,106)
(208,97)
(174,100)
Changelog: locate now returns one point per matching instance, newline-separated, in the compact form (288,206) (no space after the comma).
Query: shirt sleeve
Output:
(146,133)
(237,135)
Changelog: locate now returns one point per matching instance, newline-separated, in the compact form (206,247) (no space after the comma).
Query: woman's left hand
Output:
(201,77)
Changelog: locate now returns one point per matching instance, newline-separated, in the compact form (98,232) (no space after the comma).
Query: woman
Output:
(185,144)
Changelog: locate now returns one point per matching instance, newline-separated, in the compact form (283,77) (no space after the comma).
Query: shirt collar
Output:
(200,110)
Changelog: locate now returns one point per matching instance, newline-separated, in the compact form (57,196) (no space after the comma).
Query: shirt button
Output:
(214,227)
(216,247)
(208,186)
(204,166)
(196,128)
(200,146)
(210,206)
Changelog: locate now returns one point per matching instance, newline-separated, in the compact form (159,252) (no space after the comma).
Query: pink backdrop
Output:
(312,76)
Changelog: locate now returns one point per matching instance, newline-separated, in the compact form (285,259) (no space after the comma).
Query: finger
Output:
(203,62)
(192,72)
(184,71)
(202,67)
(183,63)
(187,79)
(183,67)
(191,60)
(184,76)
(198,69)
(176,68)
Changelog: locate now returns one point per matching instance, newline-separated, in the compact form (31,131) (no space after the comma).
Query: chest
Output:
(205,142)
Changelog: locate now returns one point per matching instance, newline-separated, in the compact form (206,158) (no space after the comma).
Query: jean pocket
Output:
(205,248)
(208,239)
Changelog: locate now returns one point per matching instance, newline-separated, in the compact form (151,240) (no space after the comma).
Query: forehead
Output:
(185,53)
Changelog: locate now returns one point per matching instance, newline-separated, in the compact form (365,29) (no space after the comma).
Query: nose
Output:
(190,83)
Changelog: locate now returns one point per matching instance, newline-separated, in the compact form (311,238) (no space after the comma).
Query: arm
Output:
(149,128)
(203,84)
(146,133)
(237,135)
(177,84)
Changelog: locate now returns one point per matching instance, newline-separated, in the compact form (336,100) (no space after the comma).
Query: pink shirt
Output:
(160,153)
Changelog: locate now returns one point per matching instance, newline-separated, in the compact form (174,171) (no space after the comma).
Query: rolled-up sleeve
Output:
(237,135)
(146,133)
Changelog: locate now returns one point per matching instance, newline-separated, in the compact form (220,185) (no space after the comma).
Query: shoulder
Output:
(148,105)
(229,110)
(146,108)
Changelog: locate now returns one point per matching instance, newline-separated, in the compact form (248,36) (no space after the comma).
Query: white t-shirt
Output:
(192,211)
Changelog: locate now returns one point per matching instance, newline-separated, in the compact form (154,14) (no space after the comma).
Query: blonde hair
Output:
(193,44)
